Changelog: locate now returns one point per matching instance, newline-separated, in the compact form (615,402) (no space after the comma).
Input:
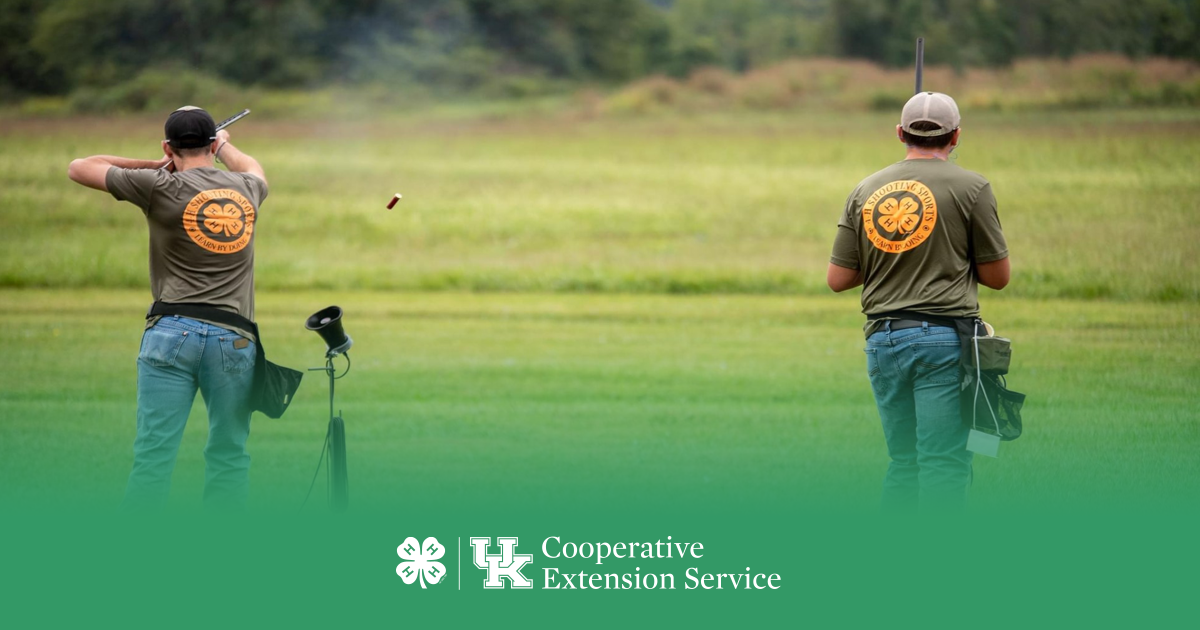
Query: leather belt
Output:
(901,320)
(901,324)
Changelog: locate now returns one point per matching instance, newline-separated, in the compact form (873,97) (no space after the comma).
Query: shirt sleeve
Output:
(257,188)
(134,185)
(987,238)
(845,245)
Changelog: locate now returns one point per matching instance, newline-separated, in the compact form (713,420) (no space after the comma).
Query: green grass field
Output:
(578,400)
(1096,204)
(521,310)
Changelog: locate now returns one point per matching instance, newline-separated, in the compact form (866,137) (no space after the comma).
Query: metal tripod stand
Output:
(335,443)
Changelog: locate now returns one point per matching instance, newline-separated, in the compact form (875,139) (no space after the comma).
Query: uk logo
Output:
(420,561)
(503,565)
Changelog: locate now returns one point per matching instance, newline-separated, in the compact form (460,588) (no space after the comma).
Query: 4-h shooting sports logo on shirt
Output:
(221,221)
(899,216)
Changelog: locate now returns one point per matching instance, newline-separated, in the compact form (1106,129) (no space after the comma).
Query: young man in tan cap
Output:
(919,236)
(201,222)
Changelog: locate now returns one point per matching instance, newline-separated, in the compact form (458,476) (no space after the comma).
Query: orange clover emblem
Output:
(899,215)
(225,219)
(220,220)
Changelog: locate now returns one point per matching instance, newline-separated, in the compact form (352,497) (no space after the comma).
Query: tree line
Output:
(51,47)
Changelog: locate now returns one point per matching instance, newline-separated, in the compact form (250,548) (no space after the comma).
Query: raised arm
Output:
(92,171)
(235,160)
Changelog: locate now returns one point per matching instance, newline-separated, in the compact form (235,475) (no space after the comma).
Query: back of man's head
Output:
(929,120)
(190,130)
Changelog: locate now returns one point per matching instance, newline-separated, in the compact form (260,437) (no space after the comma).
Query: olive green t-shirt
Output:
(201,232)
(915,230)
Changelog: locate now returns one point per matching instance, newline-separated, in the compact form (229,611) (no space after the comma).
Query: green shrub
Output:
(46,106)
(157,89)
(887,102)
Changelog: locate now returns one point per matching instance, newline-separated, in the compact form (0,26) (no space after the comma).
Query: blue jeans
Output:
(914,374)
(179,356)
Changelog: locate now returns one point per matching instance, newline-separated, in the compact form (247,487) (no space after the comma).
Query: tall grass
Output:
(1089,81)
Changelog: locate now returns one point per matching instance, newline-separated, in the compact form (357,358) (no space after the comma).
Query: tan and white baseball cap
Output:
(933,107)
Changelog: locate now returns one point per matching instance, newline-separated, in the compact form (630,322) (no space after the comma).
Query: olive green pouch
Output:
(995,353)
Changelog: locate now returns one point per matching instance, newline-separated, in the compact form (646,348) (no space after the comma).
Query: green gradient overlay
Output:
(743,423)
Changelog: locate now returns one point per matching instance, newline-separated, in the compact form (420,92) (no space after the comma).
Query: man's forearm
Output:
(842,278)
(995,274)
(123,162)
(238,162)
(92,171)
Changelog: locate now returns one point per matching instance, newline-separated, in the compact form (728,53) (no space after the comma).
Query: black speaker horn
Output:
(327,322)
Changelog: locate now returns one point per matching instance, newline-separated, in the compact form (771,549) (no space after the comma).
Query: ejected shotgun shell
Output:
(392,203)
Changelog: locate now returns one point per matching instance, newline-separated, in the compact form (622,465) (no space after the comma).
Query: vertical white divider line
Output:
(460,563)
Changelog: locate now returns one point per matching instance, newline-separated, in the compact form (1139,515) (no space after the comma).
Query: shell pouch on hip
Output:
(991,409)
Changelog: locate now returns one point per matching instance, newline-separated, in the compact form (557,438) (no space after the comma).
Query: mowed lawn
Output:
(1095,204)
(559,400)
(597,311)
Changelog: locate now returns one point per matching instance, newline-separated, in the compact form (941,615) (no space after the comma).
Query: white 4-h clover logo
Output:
(419,561)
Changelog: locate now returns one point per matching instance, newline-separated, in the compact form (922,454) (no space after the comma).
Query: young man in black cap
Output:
(919,236)
(201,222)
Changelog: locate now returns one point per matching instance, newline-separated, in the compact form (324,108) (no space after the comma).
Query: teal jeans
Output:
(914,375)
(178,357)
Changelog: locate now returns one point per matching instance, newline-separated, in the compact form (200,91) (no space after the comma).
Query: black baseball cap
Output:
(190,127)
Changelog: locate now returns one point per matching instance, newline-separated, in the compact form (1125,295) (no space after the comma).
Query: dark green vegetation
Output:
(577,401)
(123,54)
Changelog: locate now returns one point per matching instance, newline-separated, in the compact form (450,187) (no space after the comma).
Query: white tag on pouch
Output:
(983,443)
